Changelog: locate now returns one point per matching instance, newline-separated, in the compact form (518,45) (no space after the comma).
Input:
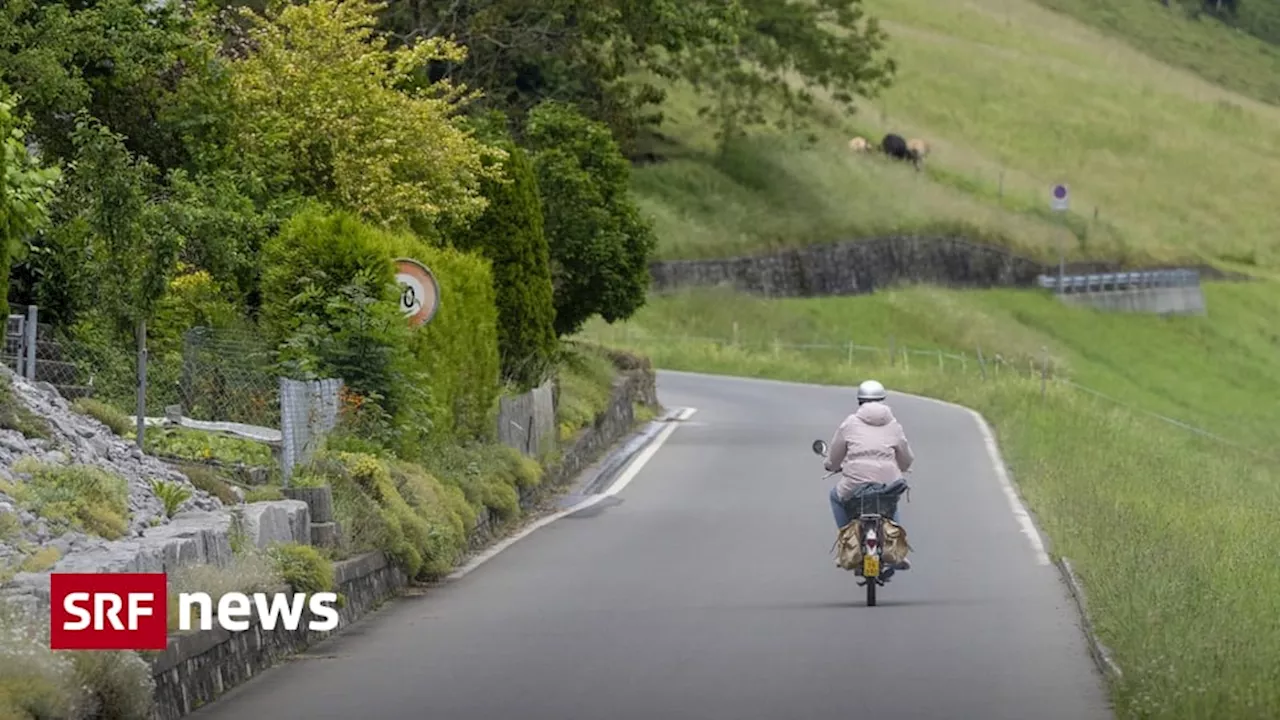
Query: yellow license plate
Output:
(870,566)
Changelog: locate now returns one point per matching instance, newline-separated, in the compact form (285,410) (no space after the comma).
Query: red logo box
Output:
(108,611)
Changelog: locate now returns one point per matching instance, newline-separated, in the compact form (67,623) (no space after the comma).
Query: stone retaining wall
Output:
(199,666)
(864,266)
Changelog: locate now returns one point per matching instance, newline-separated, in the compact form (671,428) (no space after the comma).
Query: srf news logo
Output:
(130,611)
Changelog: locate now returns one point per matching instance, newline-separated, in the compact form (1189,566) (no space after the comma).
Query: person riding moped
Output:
(871,452)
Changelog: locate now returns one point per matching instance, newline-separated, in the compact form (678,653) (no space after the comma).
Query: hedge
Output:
(440,381)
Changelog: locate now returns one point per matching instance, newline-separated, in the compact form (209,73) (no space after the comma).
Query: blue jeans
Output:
(845,512)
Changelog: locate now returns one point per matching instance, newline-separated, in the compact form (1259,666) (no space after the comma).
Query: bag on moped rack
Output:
(896,546)
(847,547)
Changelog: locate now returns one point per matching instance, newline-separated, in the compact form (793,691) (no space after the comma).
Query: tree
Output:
(320,110)
(752,57)
(116,60)
(599,243)
(826,44)
(26,189)
(510,234)
(116,215)
(582,52)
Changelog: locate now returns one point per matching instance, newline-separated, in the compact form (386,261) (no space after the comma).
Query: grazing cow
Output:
(918,149)
(859,145)
(894,146)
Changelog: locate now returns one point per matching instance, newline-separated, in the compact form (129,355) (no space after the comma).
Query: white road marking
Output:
(633,469)
(1020,512)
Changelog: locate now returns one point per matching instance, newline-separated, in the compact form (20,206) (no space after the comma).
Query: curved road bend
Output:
(707,590)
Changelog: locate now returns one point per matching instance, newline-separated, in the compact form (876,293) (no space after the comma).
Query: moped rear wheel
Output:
(871,592)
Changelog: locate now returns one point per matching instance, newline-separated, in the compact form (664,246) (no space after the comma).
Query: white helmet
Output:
(871,391)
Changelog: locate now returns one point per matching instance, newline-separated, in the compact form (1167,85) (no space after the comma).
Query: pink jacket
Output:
(869,446)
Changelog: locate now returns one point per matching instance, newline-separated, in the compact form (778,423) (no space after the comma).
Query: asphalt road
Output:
(707,590)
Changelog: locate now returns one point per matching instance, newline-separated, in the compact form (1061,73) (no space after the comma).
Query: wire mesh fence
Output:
(228,376)
(308,412)
(979,365)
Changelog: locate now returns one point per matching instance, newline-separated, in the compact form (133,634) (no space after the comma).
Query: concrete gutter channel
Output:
(198,668)
(597,477)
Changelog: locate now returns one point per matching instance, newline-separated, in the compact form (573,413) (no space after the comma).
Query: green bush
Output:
(303,567)
(119,684)
(440,380)
(41,560)
(198,445)
(329,299)
(420,519)
(116,421)
(208,480)
(510,234)
(80,496)
(171,494)
(600,244)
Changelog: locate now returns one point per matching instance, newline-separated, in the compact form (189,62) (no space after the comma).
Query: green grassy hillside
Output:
(1010,95)
(1241,56)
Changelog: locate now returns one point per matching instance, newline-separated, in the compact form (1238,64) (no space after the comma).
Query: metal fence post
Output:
(288,422)
(982,365)
(30,340)
(1044,373)
(142,382)
(892,351)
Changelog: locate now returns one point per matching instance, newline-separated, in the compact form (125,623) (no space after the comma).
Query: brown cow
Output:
(918,150)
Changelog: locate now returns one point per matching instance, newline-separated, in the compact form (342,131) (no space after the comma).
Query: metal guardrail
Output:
(1103,282)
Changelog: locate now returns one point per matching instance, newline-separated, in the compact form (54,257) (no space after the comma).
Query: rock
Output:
(63,545)
(152,542)
(277,521)
(14,444)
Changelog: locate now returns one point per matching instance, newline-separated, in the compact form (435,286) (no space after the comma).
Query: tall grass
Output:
(1173,535)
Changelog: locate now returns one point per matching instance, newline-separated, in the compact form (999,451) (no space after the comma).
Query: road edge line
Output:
(634,457)
(1101,655)
(1016,504)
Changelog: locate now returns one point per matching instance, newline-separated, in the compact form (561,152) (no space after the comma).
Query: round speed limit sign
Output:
(419,292)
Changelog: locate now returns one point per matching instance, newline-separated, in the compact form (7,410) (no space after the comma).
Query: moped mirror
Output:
(819,447)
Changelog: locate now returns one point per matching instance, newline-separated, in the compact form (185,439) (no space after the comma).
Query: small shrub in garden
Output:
(263,493)
(303,567)
(208,480)
(119,684)
(116,421)
(41,560)
(80,496)
(171,494)
(16,416)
